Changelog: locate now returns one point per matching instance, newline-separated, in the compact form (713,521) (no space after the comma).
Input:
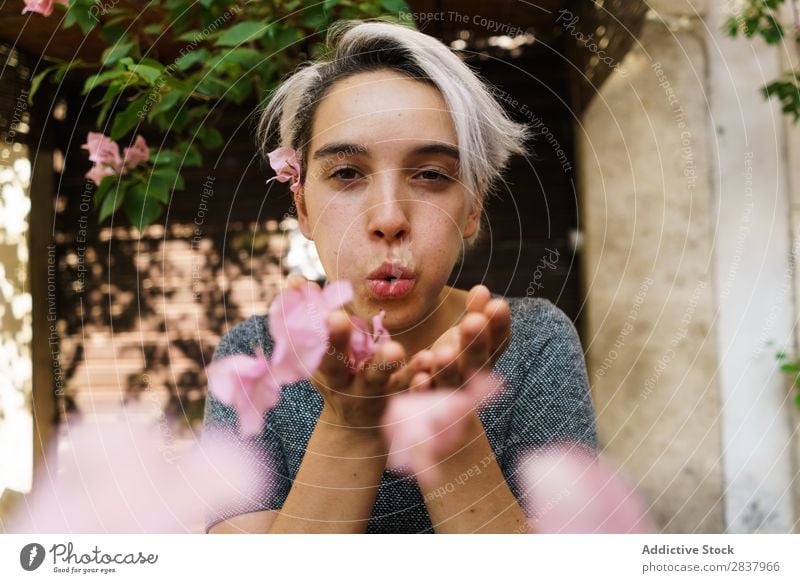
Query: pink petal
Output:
(247,384)
(298,326)
(43,7)
(578,493)
(426,427)
(125,476)
(136,154)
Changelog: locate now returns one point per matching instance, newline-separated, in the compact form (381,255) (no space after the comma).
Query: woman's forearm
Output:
(336,484)
(469,493)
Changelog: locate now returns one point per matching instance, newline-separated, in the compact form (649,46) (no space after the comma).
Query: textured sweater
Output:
(546,399)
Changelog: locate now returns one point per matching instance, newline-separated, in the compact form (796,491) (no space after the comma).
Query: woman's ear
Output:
(474,217)
(302,213)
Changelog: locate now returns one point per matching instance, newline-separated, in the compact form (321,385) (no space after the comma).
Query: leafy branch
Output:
(760,18)
(170,69)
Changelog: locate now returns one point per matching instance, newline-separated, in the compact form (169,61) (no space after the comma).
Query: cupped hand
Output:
(474,344)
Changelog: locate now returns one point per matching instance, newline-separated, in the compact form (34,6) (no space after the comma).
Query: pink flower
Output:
(575,492)
(284,162)
(43,7)
(364,344)
(299,329)
(246,384)
(136,154)
(426,427)
(98,172)
(125,476)
(104,152)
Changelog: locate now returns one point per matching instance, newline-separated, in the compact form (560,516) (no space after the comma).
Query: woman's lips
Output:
(390,289)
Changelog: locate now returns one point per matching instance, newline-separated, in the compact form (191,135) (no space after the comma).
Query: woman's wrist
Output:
(368,437)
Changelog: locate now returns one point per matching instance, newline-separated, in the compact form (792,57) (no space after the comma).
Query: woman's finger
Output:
(477,298)
(334,366)
(475,343)
(499,314)
(445,367)
(400,380)
(420,382)
(388,359)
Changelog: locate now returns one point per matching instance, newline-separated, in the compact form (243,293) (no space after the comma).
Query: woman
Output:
(396,144)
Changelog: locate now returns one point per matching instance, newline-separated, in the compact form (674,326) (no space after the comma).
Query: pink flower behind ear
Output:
(575,492)
(124,476)
(136,154)
(43,7)
(245,383)
(299,329)
(425,427)
(284,162)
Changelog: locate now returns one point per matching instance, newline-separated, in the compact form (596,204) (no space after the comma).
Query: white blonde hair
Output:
(487,137)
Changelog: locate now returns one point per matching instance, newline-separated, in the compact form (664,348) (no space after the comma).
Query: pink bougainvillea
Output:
(574,491)
(104,152)
(43,7)
(298,327)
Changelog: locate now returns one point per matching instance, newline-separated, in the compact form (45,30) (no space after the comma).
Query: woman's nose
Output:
(388,215)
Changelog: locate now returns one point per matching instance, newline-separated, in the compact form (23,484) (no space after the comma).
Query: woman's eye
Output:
(434,175)
(346,174)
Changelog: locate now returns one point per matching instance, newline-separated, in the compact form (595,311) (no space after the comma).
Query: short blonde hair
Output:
(487,137)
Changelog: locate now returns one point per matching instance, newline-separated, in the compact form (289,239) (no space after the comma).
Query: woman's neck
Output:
(451,307)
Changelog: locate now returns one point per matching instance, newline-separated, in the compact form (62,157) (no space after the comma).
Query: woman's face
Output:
(381,199)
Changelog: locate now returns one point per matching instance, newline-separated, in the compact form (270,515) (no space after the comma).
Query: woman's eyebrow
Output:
(359,149)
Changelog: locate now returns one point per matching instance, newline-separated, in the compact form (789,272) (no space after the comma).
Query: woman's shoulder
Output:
(536,323)
(245,337)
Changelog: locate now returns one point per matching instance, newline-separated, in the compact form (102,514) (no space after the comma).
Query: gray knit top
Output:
(546,399)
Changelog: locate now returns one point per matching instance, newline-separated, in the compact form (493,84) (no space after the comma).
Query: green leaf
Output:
(143,209)
(146,72)
(154,29)
(159,187)
(239,91)
(797,399)
(193,158)
(101,78)
(242,33)
(192,36)
(210,137)
(246,57)
(163,157)
(114,53)
(191,58)
(112,200)
(168,101)
(37,81)
(128,118)
(101,191)
(792,367)
(394,6)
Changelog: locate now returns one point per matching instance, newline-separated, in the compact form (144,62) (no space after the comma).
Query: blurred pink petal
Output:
(299,329)
(125,476)
(284,162)
(363,343)
(98,172)
(576,492)
(426,427)
(245,383)
(43,7)
(136,154)
(103,150)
